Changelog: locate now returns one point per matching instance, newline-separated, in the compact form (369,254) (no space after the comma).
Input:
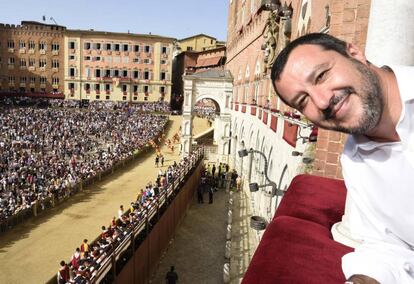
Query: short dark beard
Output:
(371,96)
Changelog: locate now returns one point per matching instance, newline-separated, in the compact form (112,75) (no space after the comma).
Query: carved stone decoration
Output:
(271,36)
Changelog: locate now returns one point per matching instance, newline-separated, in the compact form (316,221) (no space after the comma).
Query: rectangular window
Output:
(107,73)
(96,58)
(162,89)
(87,45)
(10,61)
(55,80)
(146,89)
(116,73)
(135,88)
(124,98)
(42,80)
(55,46)
(55,63)
(107,87)
(97,87)
(71,57)
(163,61)
(147,61)
(87,87)
(71,86)
(32,62)
(97,46)
(107,46)
(23,80)
(97,97)
(125,73)
(136,60)
(162,75)
(135,74)
(10,44)
(147,48)
(71,45)
(164,50)
(97,73)
(22,62)
(42,45)
(72,72)
(32,80)
(124,88)
(136,48)
(87,58)
(42,62)
(125,47)
(189,48)
(11,79)
(146,75)
(32,44)
(117,46)
(22,44)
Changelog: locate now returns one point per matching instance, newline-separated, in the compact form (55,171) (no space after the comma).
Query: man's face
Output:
(331,90)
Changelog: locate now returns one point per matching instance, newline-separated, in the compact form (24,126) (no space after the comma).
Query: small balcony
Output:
(55,52)
(10,50)
(22,50)
(42,51)
(31,51)
(32,68)
(10,66)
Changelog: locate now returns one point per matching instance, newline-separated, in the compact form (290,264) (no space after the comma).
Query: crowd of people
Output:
(47,147)
(203,111)
(160,106)
(88,257)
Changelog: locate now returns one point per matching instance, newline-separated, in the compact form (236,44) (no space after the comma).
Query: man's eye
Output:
(321,76)
(302,102)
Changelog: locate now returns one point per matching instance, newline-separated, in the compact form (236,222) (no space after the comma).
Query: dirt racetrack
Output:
(31,252)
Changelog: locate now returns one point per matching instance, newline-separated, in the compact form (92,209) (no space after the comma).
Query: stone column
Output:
(390,37)
(187,124)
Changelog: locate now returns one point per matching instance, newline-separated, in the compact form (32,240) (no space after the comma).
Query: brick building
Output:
(257,32)
(31,59)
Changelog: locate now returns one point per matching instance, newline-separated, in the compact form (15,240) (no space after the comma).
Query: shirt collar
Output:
(404,76)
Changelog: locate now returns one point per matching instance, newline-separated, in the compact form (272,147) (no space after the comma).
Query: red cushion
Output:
(294,251)
(313,198)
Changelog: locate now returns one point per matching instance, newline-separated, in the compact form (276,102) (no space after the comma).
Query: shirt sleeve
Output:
(386,263)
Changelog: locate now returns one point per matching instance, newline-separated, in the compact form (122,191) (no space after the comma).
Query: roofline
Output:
(197,35)
(93,32)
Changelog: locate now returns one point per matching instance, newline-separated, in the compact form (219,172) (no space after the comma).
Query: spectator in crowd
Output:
(63,275)
(171,277)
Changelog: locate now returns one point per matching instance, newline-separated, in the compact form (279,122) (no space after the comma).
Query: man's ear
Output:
(355,52)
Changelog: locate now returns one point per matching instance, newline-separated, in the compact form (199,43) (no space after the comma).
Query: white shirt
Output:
(380,181)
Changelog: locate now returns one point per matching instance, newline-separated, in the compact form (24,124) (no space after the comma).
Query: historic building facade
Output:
(117,66)
(199,42)
(31,59)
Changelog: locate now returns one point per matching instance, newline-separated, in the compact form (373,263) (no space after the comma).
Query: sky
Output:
(170,18)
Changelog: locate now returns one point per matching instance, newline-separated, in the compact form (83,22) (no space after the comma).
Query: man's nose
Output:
(321,97)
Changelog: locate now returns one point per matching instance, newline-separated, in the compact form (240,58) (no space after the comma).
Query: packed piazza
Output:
(47,145)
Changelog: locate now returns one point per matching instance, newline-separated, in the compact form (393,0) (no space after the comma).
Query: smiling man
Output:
(333,84)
